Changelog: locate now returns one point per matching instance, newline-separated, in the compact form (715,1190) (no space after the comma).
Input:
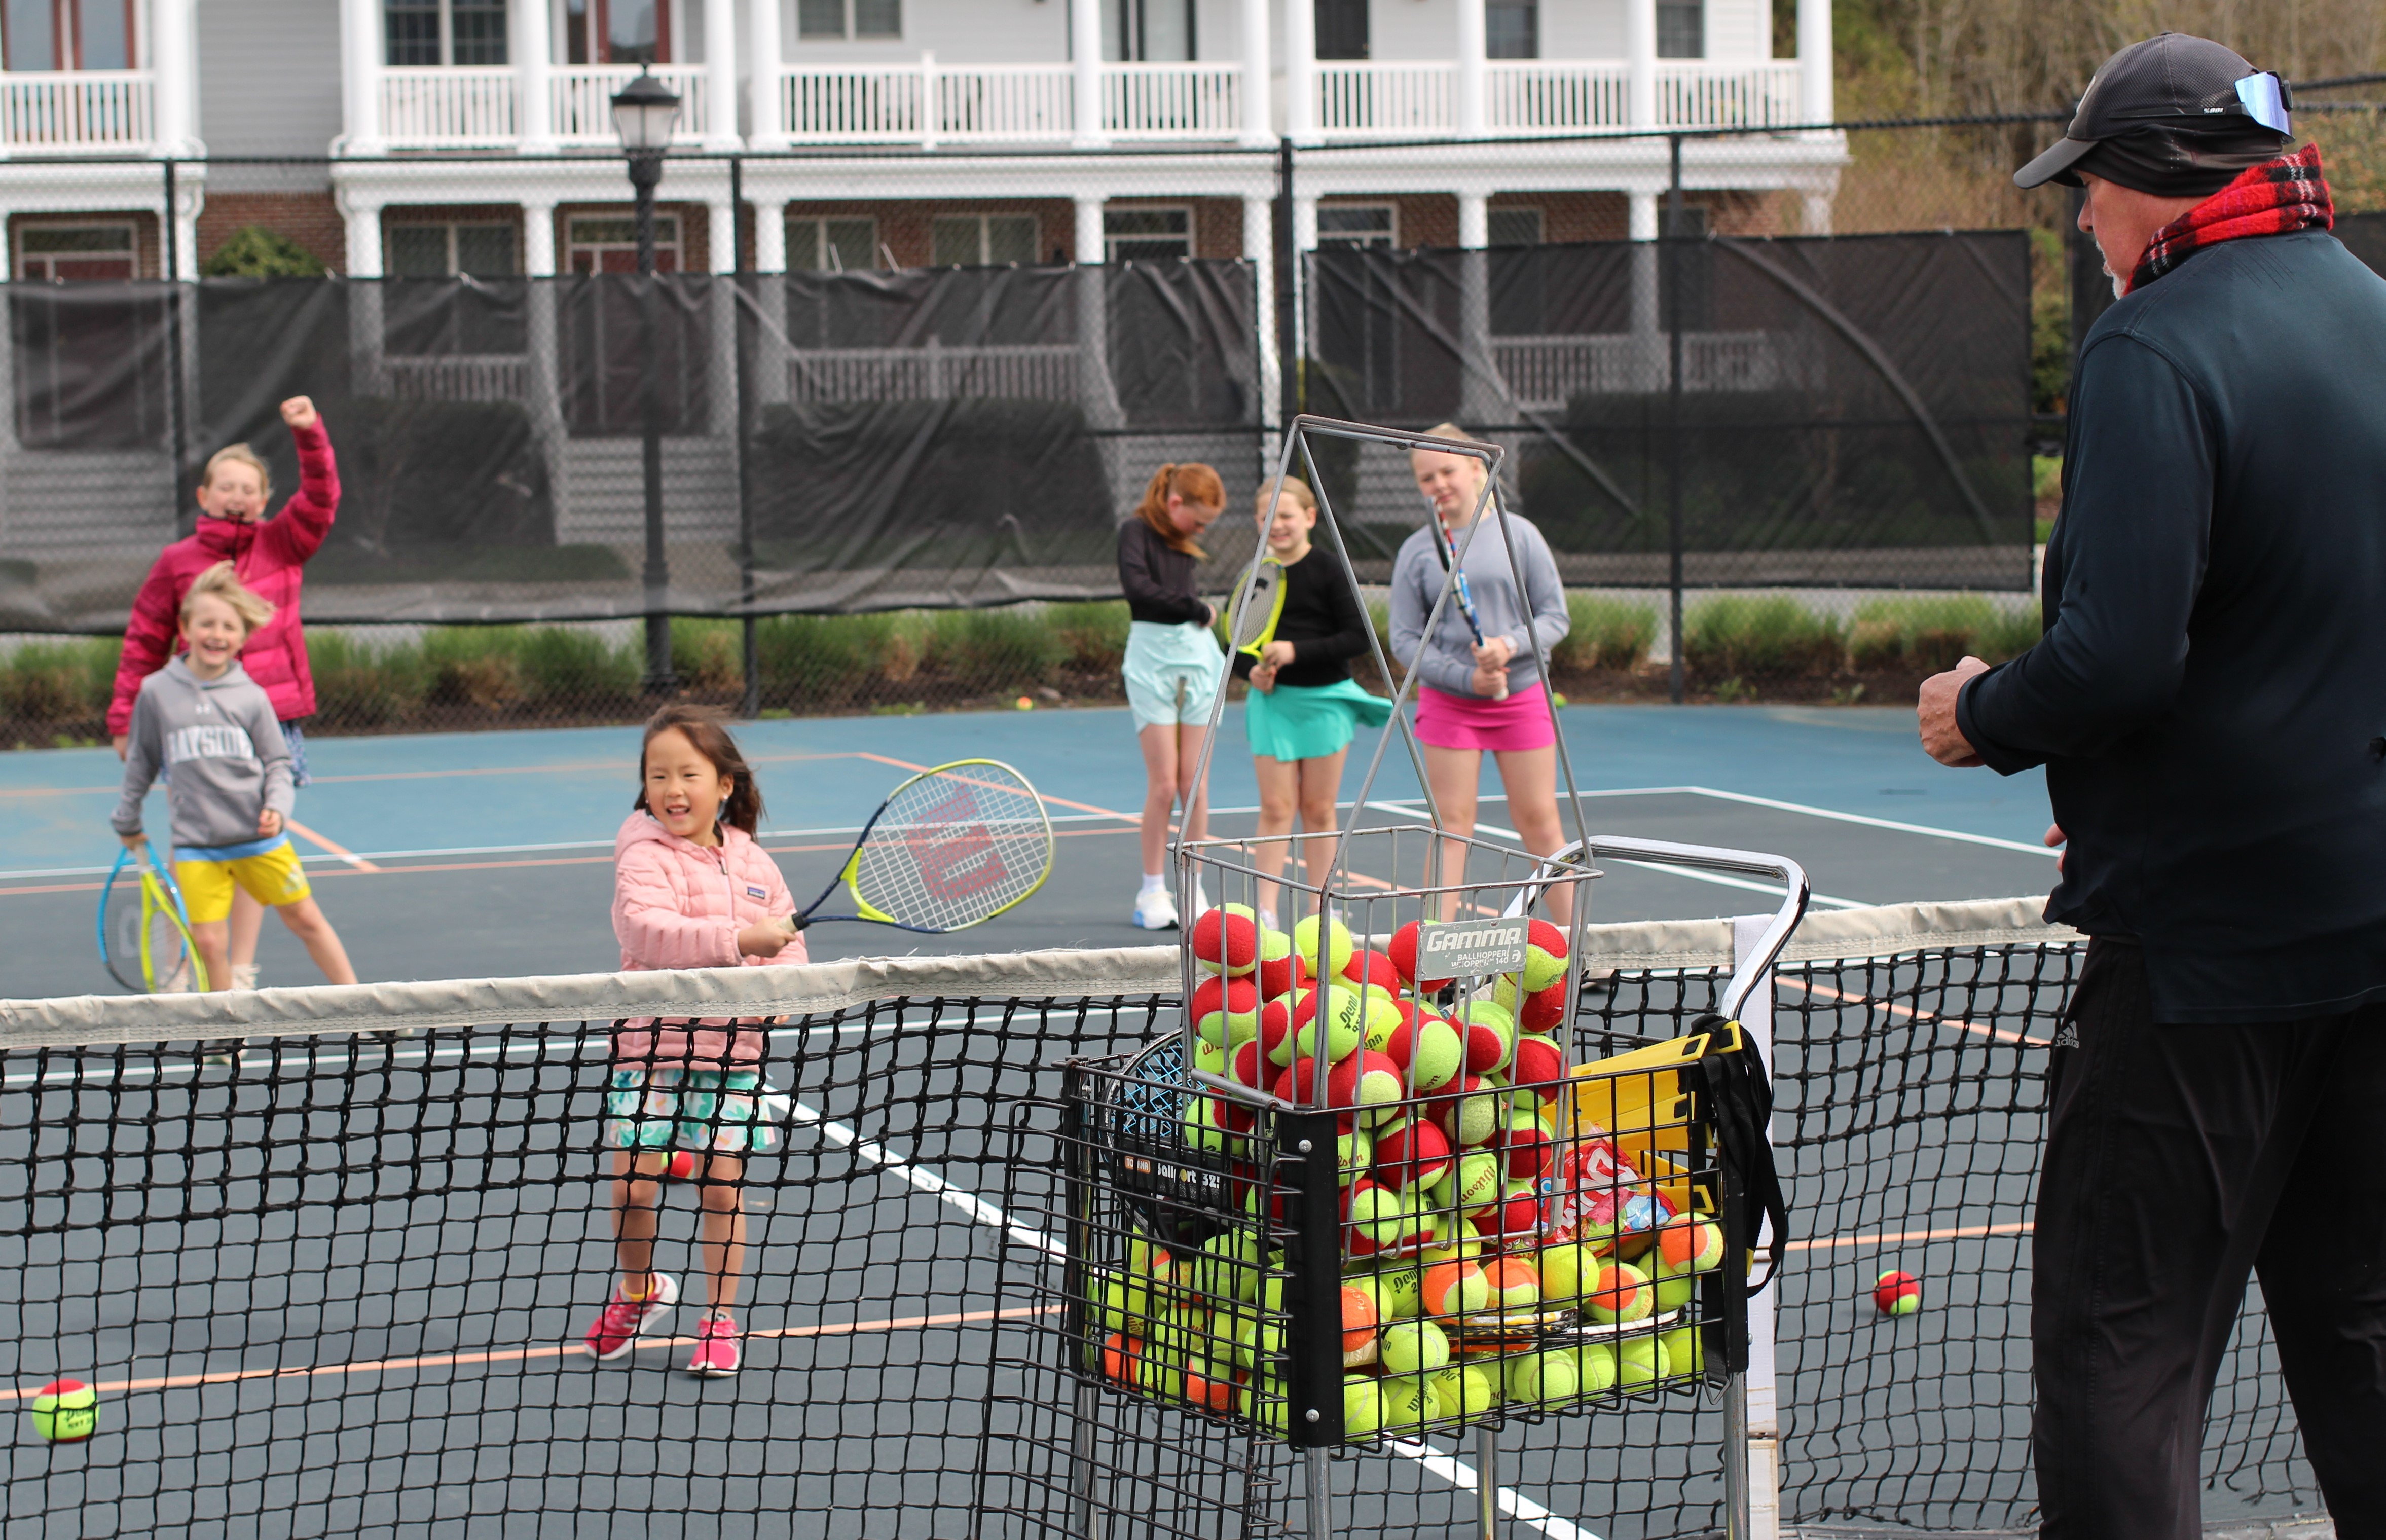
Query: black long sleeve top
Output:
(1157,578)
(1323,621)
(2209,696)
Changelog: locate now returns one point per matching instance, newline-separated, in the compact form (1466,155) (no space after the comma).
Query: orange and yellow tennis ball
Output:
(1620,1292)
(1454,1288)
(1514,1284)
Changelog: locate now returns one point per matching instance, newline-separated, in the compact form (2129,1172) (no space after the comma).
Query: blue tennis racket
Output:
(1465,596)
(145,933)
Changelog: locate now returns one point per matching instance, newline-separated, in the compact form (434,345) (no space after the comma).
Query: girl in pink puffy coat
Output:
(691,889)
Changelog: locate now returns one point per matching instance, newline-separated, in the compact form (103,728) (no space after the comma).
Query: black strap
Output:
(1739,1104)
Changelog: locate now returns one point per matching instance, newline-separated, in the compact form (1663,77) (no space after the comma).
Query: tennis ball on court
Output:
(1466,1390)
(1640,1363)
(1897,1294)
(1547,1378)
(1225,943)
(1545,954)
(1594,1364)
(1414,1347)
(1278,971)
(1565,1269)
(1455,1288)
(1686,1353)
(1619,1292)
(1337,941)
(1362,1407)
(1514,1284)
(1409,1404)
(66,1412)
(1402,950)
(1025,704)
(1411,1154)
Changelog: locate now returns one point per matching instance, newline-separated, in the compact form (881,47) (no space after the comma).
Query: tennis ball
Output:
(1466,1390)
(1336,942)
(1429,1050)
(1225,1010)
(1534,1010)
(1640,1363)
(1414,1347)
(1224,942)
(1122,1357)
(66,1412)
(1367,1083)
(1514,1284)
(1468,1114)
(1400,1291)
(681,1165)
(1226,1268)
(1594,1364)
(1897,1294)
(1372,967)
(1417,1223)
(1362,1407)
(1208,1056)
(1402,951)
(1536,1061)
(1473,1181)
(1278,971)
(1619,1291)
(1024,704)
(1372,1217)
(1210,1385)
(1455,1288)
(1207,1126)
(1686,1353)
(1123,1302)
(1359,1321)
(1276,1018)
(1355,1151)
(1409,1403)
(1379,1019)
(1547,1378)
(1688,1243)
(1527,1147)
(1247,1065)
(1412,1153)
(1491,1034)
(1545,954)
(1258,1338)
(1345,1010)
(1565,1268)
(1517,1215)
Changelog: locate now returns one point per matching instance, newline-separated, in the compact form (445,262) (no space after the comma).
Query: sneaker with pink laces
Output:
(716,1348)
(617,1329)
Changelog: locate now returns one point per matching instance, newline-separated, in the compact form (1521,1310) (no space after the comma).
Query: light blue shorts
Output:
(1172,672)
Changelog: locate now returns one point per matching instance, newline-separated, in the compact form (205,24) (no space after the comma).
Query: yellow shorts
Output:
(271,876)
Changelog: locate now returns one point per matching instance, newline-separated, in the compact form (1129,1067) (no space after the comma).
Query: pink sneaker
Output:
(716,1348)
(616,1331)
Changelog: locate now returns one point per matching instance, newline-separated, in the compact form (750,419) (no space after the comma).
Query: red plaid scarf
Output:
(2273,198)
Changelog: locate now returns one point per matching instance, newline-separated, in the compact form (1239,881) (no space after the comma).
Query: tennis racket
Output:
(1465,596)
(144,934)
(949,848)
(1251,621)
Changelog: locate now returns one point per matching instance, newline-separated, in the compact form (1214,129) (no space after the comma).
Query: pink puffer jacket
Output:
(677,904)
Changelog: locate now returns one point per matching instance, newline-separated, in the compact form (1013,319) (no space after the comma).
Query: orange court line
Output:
(524,1355)
(1891,1006)
(1904,1237)
(440,774)
(1081,806)
(341,851)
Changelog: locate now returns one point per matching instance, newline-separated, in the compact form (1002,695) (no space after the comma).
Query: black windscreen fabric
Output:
(823,441)
(1853,412)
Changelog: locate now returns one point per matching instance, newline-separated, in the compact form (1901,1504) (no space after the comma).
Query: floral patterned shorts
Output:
(713,1111)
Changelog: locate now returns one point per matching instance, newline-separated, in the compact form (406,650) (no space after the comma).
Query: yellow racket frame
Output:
(853,862)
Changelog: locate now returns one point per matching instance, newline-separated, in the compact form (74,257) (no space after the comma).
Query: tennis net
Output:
(339,1288)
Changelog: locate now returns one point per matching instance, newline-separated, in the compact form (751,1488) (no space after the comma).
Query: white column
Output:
(1473,220)
(545,402)
(1642,207)
(770,235)
(1258,112)
(1085,58)
(1815,104)
(1304,223)
(1300,73)
(172,53)
(190,197)
(1762,1386)
(720,73)
(538,239)
(721,233)
(361,45)
(364,238)
(366,339)
(1818,213)
(1259,250)
(1471,73)
(1650,358)
(1640,54)
(535,63)
(1090,247)
(765,55)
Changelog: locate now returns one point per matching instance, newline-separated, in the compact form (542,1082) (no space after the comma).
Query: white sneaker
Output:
(243,976)
(1200,899)
(1155,910)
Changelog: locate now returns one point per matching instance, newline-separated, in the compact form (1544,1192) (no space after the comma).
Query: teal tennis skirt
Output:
(1290,723)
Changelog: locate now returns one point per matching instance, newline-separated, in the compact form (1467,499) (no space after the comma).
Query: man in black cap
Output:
(2209,701)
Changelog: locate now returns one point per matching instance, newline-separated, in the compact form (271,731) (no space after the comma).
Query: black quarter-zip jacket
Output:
(2209,696)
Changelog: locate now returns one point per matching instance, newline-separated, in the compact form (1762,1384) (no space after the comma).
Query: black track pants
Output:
(2180,1158)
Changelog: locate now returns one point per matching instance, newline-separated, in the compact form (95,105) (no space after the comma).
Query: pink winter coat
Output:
(677,904)
(271,557)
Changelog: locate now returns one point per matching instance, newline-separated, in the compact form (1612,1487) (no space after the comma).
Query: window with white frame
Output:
(1147,32)
(1147,235)
(1357,224)
(1514,227)
(451,249)
(607,243)
(617,32)
(1681,29)
(849,17)
(832,244)
(438,33)
(968,240)
(60,253)
(67,34)
(1511,29)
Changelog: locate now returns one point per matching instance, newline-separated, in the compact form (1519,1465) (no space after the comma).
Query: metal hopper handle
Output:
(1702,857)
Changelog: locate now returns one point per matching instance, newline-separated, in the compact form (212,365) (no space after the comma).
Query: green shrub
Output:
(994,649)
(255,252)
(1734,635)
(1604,632)
(361,683)
(68,680)
(1093,635)
(2008,633)
(478,666)
(1926,634)
(709,656)
(830,659)
(578,669)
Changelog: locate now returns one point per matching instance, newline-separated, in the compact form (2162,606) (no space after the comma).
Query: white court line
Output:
(1989,840)
(1515,1505)
(931,1184)
(1690,873)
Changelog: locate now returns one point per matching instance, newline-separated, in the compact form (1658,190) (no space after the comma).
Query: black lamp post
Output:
(644,114)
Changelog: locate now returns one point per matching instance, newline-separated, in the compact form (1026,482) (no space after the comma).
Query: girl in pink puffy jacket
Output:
(691,889)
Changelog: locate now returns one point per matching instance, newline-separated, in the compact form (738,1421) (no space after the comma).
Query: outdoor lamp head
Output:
(644,113)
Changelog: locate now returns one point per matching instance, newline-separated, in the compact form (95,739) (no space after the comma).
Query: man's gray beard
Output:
(2120,289)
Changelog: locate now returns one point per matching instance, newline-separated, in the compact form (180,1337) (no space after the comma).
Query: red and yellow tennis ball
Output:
(681,1167)
(1276,1018)
(1224,942)
(1215,1125)
(1526,1147)
(1897,1294)
(1402,951)
(1545,952)
(1539,1010)
(1371,967)
(1225,1010)
(1454,1288)
(1248,1065)
(1366,1083)
(1491,1034)
(1334,937)
(1429,1048)
(1517,1216)
(66,1412)
(1619,1292)
(1514,1284)
(1412,1155)
(1344,1011)
(1468,1111)
(1278,971)
(1473,1182)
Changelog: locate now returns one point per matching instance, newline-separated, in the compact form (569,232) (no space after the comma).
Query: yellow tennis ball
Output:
(1466,1390)
(1685,1353)
(1547,1377)
(1362,1407)
(1337,946)
(1409,1404)
(1640,1363)
(1566,1270)
(1025,704)
(66,1412)
(1414,1348)
(1594,1365)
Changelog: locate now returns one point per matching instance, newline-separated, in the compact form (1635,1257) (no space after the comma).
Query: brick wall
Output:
(310,219)
(1568,219)
(907,227)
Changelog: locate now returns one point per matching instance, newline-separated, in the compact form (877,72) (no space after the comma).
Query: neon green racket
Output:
(1251,620)
(949,848)
(145,940)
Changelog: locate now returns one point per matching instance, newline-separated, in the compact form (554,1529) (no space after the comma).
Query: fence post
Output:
(171,232)
(1314,1300)
(1292,393)
(1669,243)
(749,653)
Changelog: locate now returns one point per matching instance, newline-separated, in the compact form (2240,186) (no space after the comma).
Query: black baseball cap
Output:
(2186,107)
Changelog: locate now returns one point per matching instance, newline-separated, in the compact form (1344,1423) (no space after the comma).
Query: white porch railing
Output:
(1171,101)
(1005,103)
(1538,96)
(1711,94)
(1544,373)
(858,104)
(581,101)
(458,376)
(433,107)
(926,103)
(1391,100)
(1045,372)
(76,109)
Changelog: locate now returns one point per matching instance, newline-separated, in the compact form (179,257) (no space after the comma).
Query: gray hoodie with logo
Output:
(226,752)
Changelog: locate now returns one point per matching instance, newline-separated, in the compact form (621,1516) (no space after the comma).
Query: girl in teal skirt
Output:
(1303,705)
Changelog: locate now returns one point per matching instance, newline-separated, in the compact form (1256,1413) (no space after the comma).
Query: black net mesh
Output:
(339,1287)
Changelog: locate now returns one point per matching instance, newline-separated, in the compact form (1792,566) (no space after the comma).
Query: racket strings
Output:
(955,848)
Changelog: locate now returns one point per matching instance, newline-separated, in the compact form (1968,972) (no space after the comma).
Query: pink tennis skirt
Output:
(1520,721)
